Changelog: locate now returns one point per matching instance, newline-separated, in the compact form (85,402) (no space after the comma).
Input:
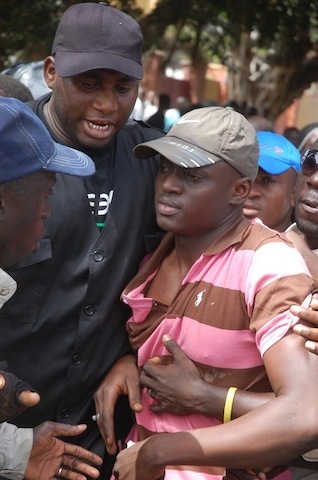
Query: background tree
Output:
(270,47)
(27,27)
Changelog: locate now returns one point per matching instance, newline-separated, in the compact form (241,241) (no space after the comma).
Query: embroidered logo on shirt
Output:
(199,298)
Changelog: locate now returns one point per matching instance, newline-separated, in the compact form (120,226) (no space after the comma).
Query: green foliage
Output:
(281,34)
(27,27)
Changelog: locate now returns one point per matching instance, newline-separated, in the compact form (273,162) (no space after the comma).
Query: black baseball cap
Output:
(95,35)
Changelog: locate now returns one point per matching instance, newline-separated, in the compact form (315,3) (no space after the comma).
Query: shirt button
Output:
(4,292)
(98,256)
(76,359)
(66,413)
(89,310)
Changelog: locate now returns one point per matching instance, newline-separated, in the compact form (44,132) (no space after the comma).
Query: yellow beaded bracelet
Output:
(228,406)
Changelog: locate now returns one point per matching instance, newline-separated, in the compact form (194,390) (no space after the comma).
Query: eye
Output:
(88,84)
(192,175)
(165,167)
(124,88)
(268,179)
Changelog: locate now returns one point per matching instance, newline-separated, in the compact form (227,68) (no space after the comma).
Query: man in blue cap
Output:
(29,160)
(272,195)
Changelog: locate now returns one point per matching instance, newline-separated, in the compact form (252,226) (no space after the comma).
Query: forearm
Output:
(210,400)
(15,448)
(267,437)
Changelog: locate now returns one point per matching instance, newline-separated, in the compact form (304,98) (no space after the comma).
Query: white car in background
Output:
(31,74)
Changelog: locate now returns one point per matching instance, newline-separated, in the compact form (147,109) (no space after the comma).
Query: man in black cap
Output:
(29,160)
(72,327)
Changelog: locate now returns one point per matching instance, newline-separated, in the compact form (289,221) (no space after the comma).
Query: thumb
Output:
(27,398)
(172,346)
(66,430)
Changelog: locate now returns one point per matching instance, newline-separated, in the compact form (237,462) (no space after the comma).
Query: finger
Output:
(146,377)
(305,314)
(28,398)
(172,346)
(76,466)
(2,381)
(133,390)
(314,301)
(309,333)
(154,361)
(106,421)
(311,346)
(157,408)
(75,456)
(64,429)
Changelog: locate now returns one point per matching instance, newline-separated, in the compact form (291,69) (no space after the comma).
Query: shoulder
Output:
(37,104)
(138,131)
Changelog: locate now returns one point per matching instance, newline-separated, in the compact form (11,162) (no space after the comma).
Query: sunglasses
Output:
(309,162)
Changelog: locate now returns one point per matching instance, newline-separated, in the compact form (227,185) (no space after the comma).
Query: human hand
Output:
(15,396)
(136,463)
(310,333)
(174,386)
(53,458)
(252,474)
(122,379)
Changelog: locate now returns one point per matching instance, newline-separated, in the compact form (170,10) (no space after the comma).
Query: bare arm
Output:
(309,323)
(278,431)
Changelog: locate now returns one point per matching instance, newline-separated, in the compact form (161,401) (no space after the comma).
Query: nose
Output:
(312,180)
(172,182)
(46,212)
(106,101)
(255,189)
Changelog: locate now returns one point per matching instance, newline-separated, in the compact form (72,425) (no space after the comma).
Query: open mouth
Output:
(95,126)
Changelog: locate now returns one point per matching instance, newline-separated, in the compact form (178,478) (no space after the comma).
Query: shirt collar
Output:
(8,287)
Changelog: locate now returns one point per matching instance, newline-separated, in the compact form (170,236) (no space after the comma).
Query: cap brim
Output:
(68,64)
(70,161)
(274,166)
(177,151)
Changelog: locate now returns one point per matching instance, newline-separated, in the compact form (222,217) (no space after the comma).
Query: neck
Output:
(312,242)
(54,126)
(190,248)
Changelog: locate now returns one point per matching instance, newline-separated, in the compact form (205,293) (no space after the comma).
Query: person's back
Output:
(71,322)
(157,119)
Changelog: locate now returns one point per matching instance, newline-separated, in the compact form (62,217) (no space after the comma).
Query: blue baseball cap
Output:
(27,146)
(277,154)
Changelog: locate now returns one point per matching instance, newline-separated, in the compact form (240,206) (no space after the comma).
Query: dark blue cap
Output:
(27,146)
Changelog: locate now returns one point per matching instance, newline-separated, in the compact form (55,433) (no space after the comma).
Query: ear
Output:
(49,71)
(242,187)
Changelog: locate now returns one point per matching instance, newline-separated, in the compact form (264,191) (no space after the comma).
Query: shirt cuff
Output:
(15,448)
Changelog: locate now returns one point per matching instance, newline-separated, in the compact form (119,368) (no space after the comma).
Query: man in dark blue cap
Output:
(29,161)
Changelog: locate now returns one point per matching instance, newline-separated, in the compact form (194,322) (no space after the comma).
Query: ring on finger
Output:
(59,471)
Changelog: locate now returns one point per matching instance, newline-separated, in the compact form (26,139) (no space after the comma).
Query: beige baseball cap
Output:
(205,136)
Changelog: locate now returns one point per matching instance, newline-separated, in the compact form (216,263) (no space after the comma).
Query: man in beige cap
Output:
(221,286)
